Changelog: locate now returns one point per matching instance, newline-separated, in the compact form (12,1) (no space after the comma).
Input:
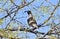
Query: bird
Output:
(30,20)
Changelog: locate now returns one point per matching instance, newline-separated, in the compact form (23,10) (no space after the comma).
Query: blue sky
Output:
(38,12)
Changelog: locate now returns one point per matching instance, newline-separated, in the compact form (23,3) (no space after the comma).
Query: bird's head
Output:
(28,12)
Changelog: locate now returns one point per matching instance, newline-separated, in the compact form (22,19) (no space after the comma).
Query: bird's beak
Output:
(25,11)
